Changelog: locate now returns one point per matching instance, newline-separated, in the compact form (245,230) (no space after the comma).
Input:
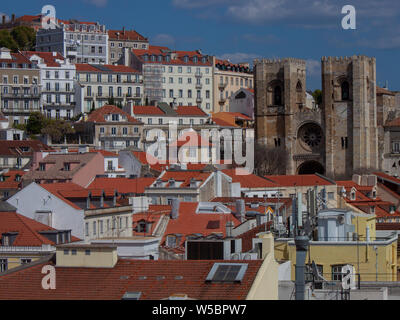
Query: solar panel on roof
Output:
(100,67)
(227,272)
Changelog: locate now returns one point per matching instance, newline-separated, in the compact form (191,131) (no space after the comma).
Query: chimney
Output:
(228,229)
(123,30)
(357,179)
(372,180)
(115,198)
(88,200)
(364,180)
(102,199)
(13,18)
(126,57)
(3,19)
(240,210)
(175,208)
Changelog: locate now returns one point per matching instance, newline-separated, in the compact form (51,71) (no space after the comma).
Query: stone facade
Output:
(350,115)
(337,139)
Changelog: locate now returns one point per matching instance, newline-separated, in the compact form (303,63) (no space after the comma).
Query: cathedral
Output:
(336,139)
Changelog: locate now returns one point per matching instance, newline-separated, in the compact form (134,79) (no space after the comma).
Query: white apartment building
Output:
(19,87)
(57,76)
(81,42)
(184,78)
(98,84)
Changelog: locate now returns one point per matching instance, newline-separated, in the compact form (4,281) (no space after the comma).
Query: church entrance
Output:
(311,167)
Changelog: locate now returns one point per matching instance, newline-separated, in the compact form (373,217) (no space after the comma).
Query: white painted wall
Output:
(35,198)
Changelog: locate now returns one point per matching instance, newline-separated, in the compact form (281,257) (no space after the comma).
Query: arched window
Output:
(299,86)
(278,96)
(345,90)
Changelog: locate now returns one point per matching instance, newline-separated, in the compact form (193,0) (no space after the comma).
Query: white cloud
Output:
(98,3)
(313,68)
(164,39)
(297,12)
(239,57)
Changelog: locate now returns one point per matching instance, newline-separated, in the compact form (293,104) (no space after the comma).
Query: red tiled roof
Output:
(125,35)
(299,180)
(388,226)
(190,111)
(47,57)
(189,222)
(185,177)
(28,230)
(17,58)
(247,237)
(29,18)
(230,64)
(129,276)
(10,182)
(386,177)
(13,148)
(393,123)
(144,110)
(98,115)
(387,189)
(105,68)
(249,180)
(58,188)
(382,91)
(123,185)
(164,51)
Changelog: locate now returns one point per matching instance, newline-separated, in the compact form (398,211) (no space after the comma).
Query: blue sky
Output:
(246,29)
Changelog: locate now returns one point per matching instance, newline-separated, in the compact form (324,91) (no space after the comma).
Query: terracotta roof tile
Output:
(105,68)
(299,180)
(123,185)
(248,180)
(98,115)
(14,148)
(164,51)
(47,57)
(187,277)
(125,35)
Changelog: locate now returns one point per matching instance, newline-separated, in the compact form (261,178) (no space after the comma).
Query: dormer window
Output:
(153,58)
(171,183)
(145,57)
(185,59)
(204,60)
(372,210)
(171,241)
(160,58)
(168,58)
(373,194)
(353,195)
(115,117)
(195,59)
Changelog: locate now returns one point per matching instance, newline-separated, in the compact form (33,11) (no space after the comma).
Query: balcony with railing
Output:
(222,85)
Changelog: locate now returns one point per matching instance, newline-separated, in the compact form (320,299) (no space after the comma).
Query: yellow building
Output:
(24,240)
(229,78)
(375,259)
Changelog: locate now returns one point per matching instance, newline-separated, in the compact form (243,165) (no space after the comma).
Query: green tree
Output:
(111,101)
(57,130)
(36,122)
(25,37)
(6,40)
(317,94)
